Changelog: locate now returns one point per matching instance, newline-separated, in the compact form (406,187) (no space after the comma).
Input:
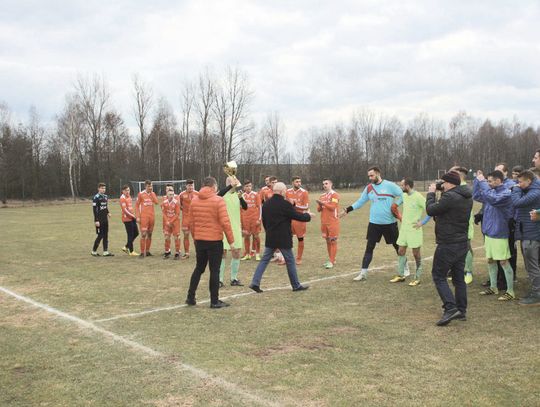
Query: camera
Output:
(439,185)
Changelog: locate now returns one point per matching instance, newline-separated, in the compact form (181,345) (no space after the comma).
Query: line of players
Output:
(175,213)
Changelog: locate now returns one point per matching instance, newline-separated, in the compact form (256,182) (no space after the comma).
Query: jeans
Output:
(208,252)
(451,257)
(132,232)
(531,254)
(288,255)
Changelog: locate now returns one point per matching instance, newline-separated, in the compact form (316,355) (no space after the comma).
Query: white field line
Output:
(285,287)
(140,348)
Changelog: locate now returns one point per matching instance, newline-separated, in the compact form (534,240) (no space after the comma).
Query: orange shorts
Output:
(147,224)
(173,229)
(250,227)
(185,223)
(330,230)
(298,228)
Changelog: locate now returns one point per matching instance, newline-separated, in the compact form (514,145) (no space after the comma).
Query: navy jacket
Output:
(524,202)
(498,208)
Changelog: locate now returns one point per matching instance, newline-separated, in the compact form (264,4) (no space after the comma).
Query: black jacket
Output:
(451,213)
(277,214)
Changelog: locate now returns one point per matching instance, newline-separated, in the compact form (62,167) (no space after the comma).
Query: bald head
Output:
(280,188)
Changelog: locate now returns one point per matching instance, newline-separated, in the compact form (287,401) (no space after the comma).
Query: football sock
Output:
(469,262)
(509,275)
(300,249)
(222,270)
(492,270)
(235,266)
(402,260)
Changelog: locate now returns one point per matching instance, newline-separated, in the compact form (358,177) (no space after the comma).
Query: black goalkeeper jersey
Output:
(100,207)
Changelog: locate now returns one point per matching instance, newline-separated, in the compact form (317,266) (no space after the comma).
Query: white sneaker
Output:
(407,272)
(362,276)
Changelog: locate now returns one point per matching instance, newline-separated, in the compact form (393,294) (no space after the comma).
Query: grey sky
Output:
(315,62)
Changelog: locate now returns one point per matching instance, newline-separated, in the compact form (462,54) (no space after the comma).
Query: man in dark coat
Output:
(277,214)
(451,213)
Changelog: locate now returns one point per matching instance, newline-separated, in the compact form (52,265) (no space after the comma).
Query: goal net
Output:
(159,186)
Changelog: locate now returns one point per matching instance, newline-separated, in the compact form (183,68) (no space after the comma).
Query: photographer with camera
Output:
(451,213)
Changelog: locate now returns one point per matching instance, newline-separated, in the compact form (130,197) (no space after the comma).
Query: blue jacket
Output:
(498,209)
(524,202)
(509,183)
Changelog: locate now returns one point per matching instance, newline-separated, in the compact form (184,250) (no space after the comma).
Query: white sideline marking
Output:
(199,373)
(285,287)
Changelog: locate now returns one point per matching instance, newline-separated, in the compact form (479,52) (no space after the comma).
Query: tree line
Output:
(89,141)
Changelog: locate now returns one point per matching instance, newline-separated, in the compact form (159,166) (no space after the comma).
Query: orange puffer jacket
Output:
(209,218)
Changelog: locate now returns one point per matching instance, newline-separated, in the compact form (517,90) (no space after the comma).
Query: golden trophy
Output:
(230,169)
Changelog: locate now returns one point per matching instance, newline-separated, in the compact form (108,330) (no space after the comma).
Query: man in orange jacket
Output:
(208,222)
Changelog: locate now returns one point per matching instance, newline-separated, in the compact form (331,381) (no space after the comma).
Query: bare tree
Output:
(205,100)
(70,128)
(143,94)
(187,101)
(36,133)
(162,131)
(274,138)
(92,97)
(239,95)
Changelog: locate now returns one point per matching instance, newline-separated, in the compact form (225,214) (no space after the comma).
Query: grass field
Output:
(341,343)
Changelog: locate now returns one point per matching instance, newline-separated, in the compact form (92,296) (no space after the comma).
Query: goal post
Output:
(440,173)
(159,186)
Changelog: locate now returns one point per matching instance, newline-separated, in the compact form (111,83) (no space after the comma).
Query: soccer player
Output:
(233,202)
(328,205)
(382,220)
(129,220)
(299,197)
(185,198)
(498,209)
(144,210)
(251,223)
(100,209)
(170,208)
(410,233)
(267,191)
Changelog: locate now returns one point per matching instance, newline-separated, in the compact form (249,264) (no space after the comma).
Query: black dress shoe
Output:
(301,288)
(237,283)
(191,301)
(219,304)
(256,288)
(448,316)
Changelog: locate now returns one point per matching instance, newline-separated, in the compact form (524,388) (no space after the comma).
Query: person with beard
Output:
(382,215)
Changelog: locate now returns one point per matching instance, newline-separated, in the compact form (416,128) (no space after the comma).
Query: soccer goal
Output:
(159,186)
(440,173)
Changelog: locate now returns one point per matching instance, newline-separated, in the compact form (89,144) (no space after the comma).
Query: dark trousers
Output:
(449,259)
(208,252)
(102,234)
(132,232)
